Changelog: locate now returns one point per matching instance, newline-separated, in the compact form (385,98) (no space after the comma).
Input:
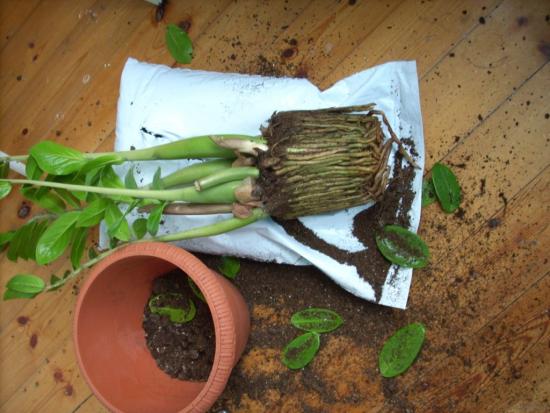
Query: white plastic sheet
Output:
(159,104)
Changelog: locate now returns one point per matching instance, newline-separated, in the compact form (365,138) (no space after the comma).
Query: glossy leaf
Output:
(230,267)
(446,187)
(110,179)
(11,294)
(51,202)
(130,180)
(401,349)
(428,192)
(32,241)
(100,162)
(93,213)
(5,189)
(140,227)
(19,241)
(117,224)
(402,247)
(300,351)
(26,283)
(196,289)
(68,198)
(79,244)
(179,44)
(153,221)
(57,159)
(177,315)
(25,247)
(32,170)
(56,238)
(317,320)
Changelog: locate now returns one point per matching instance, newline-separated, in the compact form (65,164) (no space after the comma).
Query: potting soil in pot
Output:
(183,350)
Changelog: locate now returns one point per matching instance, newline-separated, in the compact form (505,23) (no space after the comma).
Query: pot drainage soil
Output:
(182,350)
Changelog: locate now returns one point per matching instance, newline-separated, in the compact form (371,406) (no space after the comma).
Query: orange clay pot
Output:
(110,341)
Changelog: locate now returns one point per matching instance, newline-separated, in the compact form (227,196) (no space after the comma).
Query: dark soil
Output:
(183,351)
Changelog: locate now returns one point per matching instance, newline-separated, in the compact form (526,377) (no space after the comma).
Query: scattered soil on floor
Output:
(184,351)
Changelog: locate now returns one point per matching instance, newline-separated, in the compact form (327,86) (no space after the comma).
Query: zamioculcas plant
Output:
(305,163)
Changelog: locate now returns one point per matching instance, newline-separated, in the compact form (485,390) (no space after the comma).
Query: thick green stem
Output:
(193,172)
(226,175)
(220,227)
(220,194)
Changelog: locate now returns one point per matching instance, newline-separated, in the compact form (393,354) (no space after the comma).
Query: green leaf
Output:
(129,180)
(402,247)
(428,192)
(92,253)
(37,232)
(177,315)
(153,221)
(196,289)
(300,351)
(54,279)
(140,227)
(69,198)
(110,179)
(75,179)
(51,202)
(56,238)
(32,170)
(93,213)
(157,180)
(25,247)
(179,44)
(230,267)
(79,243)
(19,242)
(100,162)
(5,238)
(26,283)
(5,189)
(316,320)
(11,294)
(401,349)
(117,224)
(4,169)
(446,187)
(57,159)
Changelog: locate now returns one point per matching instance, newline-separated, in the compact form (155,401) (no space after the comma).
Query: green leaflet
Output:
(5,238)
(300,351)
(117,224)
(129,180)
(68,197)
(26,283)
(57,237)
(140,227)
(57,282)
(5,189)
(401,349)
(100,162)
(179,44)
(177,315)
(446,187)
(317,320)
(57,159)
(23,242)
(32,170)
(10,295)
(93,213)
(428,192)
(402,247)
(230,267)
(157,181)
(153,221)
(79,243)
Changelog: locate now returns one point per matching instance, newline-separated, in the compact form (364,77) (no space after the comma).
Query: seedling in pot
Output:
(305,162)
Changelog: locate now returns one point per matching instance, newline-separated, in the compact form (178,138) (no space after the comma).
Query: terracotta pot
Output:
(110,341)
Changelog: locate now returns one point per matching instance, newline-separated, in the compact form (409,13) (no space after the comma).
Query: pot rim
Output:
(222,317)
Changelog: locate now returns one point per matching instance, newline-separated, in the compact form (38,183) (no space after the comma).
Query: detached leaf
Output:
(196,289)
(177,315)
(5,189)
(129,180)
(56,239)
(117,224)
(428,192)
(230,267)
(32,170)
(402,247)
(140,227)
(300,351)
(79,243)
(153,221)
(57,159)
(317,320)
(401,349)
(93,213)
(26,283)
(179,44)
(11,294)
(446,187)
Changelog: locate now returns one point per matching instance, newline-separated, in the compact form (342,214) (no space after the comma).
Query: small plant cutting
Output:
(304,163)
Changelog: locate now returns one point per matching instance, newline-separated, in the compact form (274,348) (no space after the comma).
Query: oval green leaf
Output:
(153,221)
(26,283)
(140,227)
(179,44)
(79,243)
(300,351)
(32,170)
(428,192)
(56,238)
(100,162)
(93,213)
(51,202)
(129,180)
(57,159)
(177,315)
(402,247)
(5,189)
(446,187)
(317,320)
(117,224)
(230,267)
(401,349)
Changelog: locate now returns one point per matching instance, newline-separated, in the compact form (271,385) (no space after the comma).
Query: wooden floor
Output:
(484,83)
